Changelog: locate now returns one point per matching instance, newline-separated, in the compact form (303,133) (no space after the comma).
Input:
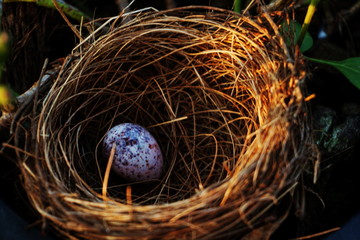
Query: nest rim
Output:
(221,206)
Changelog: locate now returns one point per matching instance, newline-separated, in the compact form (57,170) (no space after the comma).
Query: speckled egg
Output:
(137,156)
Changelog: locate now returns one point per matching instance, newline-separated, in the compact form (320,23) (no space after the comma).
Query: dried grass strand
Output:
(221,93)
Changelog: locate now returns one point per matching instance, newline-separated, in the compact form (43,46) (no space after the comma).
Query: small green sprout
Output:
(350,67)
(68,9)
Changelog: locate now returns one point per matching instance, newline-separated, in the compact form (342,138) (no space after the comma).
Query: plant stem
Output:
(237,6)
(309,14)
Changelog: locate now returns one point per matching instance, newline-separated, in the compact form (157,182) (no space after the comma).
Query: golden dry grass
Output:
(220,92)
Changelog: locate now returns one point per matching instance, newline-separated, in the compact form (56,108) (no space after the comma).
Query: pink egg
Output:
(137,156)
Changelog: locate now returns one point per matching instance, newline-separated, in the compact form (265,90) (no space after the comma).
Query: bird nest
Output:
(221,93)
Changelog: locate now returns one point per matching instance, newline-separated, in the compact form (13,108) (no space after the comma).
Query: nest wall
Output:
(220,92)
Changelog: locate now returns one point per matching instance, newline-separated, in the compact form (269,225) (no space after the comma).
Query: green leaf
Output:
(349,67)
(68,9)
(292,31)
(7,99)
(4,46)
(4,50)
